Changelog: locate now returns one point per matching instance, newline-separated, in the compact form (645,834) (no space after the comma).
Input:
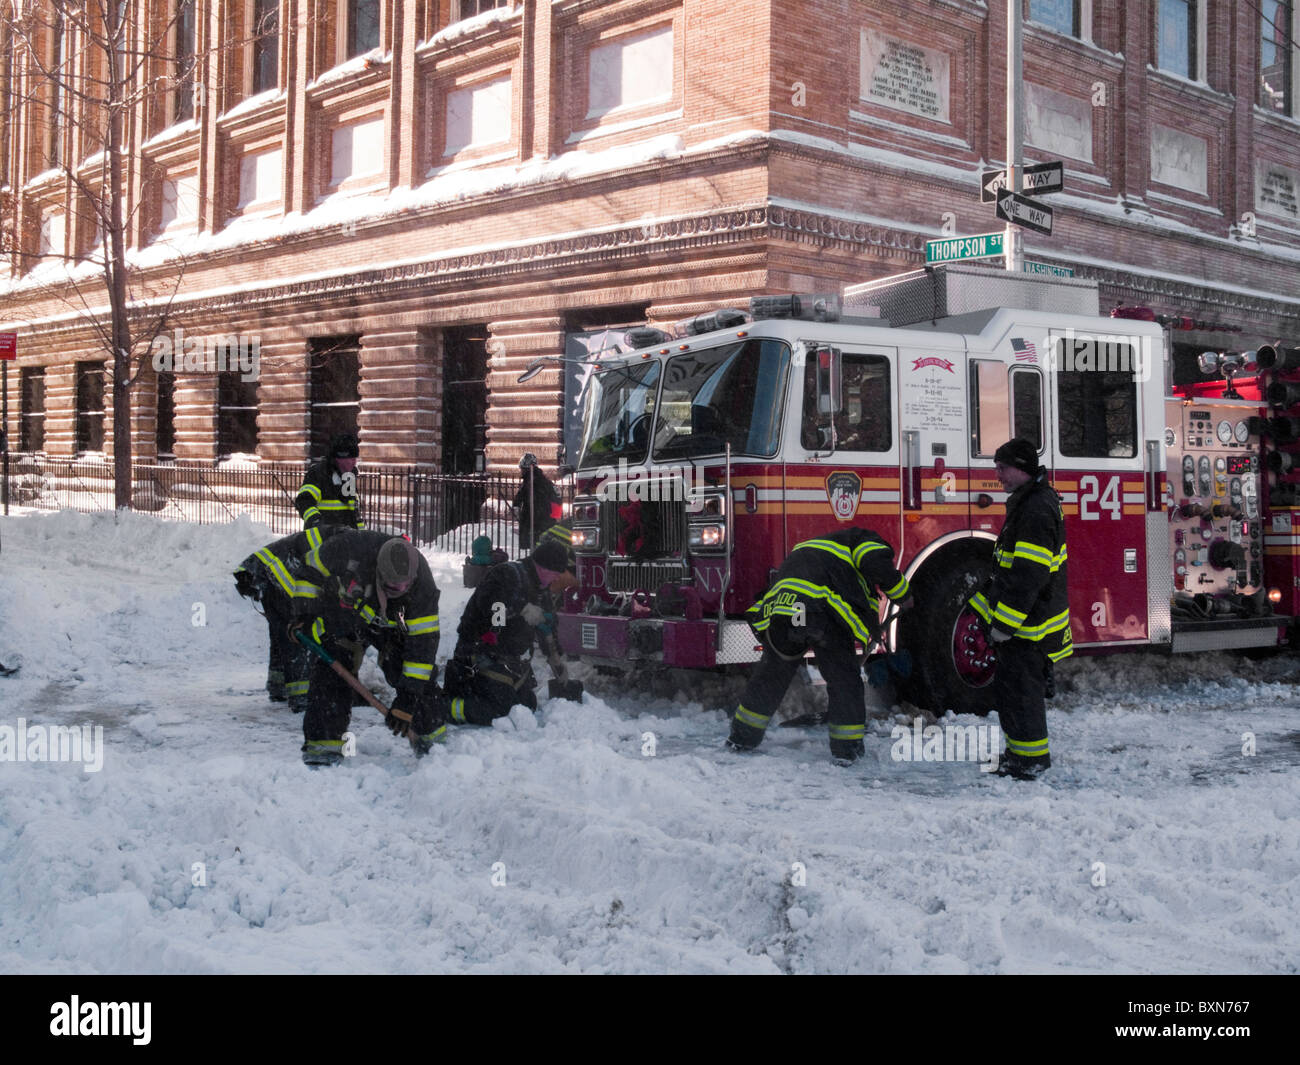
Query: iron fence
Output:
(444,512)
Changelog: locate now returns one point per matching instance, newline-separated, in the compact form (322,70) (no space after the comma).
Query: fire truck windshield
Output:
(619,414)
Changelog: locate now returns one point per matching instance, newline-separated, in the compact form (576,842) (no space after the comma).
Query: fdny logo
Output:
(921,364)
(844,489)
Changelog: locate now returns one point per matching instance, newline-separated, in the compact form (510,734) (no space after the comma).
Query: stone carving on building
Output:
(1179,159)
(904,76)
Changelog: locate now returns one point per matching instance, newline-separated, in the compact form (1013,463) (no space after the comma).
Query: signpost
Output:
(954,249)
(1022,211)
(8,352)
(1038,180)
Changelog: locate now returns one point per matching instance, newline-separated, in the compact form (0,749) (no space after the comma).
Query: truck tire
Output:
(952,662)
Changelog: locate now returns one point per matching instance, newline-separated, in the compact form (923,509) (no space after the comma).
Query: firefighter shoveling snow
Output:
(611,835)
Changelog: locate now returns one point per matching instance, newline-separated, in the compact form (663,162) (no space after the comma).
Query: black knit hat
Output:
(1018,453)
(344,446)
(550,555)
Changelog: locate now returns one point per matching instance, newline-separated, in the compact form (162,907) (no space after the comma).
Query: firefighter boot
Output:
(1018,767)
(747,729)
(275,685)
(317,753)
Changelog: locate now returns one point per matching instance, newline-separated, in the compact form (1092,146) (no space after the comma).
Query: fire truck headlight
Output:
(585,539)
(1275,595)
(707,536)
(586,512)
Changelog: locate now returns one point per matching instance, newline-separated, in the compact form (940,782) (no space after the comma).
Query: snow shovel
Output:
(353,683)
(559,686)
(884,663)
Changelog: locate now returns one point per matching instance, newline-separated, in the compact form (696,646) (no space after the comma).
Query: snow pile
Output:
(609,836)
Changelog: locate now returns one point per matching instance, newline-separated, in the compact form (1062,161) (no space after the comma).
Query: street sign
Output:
(8,345)
(954,249)
(1032,267)
(1022,211)
(1038,180)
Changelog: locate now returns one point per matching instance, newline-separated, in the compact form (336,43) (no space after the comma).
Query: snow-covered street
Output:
(573,841)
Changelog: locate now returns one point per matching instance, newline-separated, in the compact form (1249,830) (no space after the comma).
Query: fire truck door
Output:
(934,446)
(1097,458)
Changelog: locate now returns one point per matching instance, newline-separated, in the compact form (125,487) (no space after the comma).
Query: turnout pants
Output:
(1019,686)
(478,692)
(783,647)
(289,664)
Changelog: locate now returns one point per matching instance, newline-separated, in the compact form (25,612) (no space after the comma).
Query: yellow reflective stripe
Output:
(560,533)
(309,513)
(332,505)
(1064,652)
(1010,615)
(277,570)
(314,539)
(861,550)
(422,626)
(848,732)
(1033,553)
(318,629)
(438,735)
(1053,624)
(368,615)
(323,746)
(417,670)
(305,590)
(311,490)
(1027,748)
(458,710)
(838,550)
(753,720)
(314,561)
(900,590)
(296,687)
(818,591)
(981,606)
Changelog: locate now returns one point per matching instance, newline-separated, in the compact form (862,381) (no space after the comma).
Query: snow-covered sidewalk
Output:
(560,843)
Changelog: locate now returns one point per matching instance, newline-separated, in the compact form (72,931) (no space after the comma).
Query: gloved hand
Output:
(997,635)
(905,604)
(405,701)
(297,625)
(246,586)
(533,614)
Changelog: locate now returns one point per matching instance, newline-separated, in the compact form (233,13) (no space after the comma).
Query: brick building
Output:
(404,202)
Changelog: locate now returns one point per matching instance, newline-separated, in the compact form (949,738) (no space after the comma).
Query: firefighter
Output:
(268,576)
(491,670)
(1026,607)
(824,598)
(537,501)
(364,588)
(328,495)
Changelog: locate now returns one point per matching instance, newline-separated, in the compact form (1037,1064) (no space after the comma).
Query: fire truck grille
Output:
(629,576)
(649,530)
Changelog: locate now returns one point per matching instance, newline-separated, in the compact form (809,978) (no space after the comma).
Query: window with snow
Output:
(236,415)
(90,406)
(1278,30)
(478,115)
(53,231)
(265,33)
(180,201)
(260,178)
(356,151)
(31,430)
(1178,25)
(362,27)
(631,72)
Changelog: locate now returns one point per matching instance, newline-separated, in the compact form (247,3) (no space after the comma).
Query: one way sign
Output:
(1038,180)
(1023,211)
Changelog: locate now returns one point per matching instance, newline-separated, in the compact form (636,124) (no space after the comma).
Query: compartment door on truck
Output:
(1099,470)
(934,484)
(852,478)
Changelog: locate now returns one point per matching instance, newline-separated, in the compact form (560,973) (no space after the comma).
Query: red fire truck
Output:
(709,452)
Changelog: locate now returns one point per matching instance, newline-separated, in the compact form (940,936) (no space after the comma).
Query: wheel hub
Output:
(972,653)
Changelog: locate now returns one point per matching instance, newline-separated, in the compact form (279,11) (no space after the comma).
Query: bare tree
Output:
(86,70)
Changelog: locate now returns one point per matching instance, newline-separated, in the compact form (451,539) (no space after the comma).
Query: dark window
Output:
(31,431)
(236,414)
(865,423)
(183,59)
(990,407)
(266,45)
(165,417)
(1098,412)
(363,26)
(335,371)
(90,406)
(464,398)
(1176,37)
(58,57)
(470,8)
(1060,15)
(1027,405)
(1275,52)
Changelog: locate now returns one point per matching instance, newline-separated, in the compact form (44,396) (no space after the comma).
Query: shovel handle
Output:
(346,674)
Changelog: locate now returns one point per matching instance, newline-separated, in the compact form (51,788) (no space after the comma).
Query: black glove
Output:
(246,585)
(406,700)
(297,625)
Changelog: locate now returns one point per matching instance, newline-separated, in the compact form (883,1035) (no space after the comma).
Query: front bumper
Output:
(671,642)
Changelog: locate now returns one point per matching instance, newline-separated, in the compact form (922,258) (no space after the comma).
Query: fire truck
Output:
(710,449)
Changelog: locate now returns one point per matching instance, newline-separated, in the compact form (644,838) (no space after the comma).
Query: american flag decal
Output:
(1025,351)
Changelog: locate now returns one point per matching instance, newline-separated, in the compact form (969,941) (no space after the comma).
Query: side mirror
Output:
(830,381)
